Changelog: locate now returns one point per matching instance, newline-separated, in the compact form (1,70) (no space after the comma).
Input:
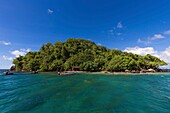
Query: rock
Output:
(12,68)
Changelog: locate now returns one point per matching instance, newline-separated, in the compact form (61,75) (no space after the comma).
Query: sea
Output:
(84,93)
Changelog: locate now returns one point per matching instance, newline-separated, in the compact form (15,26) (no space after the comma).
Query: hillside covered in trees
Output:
(85,54)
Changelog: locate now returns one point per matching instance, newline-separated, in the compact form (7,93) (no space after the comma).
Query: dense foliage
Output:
(85,54)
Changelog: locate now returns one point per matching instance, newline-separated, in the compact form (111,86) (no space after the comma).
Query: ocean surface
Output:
(84,93)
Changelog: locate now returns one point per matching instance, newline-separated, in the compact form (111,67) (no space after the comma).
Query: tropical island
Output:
(84,55)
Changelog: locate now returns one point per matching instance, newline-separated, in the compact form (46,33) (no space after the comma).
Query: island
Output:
(84,55)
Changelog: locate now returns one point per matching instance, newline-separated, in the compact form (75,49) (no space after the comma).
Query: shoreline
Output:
(95,73)
(124,73)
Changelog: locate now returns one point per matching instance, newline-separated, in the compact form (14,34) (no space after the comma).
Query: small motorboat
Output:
(58,73)
(7,73)
(34,72)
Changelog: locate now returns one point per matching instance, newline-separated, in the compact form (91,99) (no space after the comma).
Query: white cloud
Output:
(120,25)
(157,36)
(7,58)
(5,43)
(50,11)
(163,55)
(141,51)
(21,52)
(166,32)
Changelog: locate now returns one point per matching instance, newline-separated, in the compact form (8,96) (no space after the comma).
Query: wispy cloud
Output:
(5,43)
(50,11)
(116,30)
(166,32)
(154,37)
(21,52)
(144,42)
(7,58)
(111,32)
(157,36)
(119,25)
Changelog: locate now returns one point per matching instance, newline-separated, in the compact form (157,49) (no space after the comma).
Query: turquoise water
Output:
(84,93)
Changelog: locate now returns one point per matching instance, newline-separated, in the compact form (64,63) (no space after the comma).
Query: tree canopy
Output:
(85,54)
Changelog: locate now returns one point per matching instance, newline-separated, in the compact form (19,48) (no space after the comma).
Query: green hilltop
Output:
(86,55)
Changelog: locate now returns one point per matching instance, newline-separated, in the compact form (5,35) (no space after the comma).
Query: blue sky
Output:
(139,26)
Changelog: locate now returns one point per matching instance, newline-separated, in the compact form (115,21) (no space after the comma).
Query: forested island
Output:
(85,55)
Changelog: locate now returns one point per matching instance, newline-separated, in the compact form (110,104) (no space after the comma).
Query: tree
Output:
(85,54)
(57,65)
(19,63)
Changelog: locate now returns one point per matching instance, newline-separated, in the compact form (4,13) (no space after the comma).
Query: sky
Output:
(137,26)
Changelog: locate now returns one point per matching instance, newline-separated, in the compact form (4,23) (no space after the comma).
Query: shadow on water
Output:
(35,100)
(28,104)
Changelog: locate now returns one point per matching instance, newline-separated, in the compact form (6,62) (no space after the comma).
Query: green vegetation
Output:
(85,54)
